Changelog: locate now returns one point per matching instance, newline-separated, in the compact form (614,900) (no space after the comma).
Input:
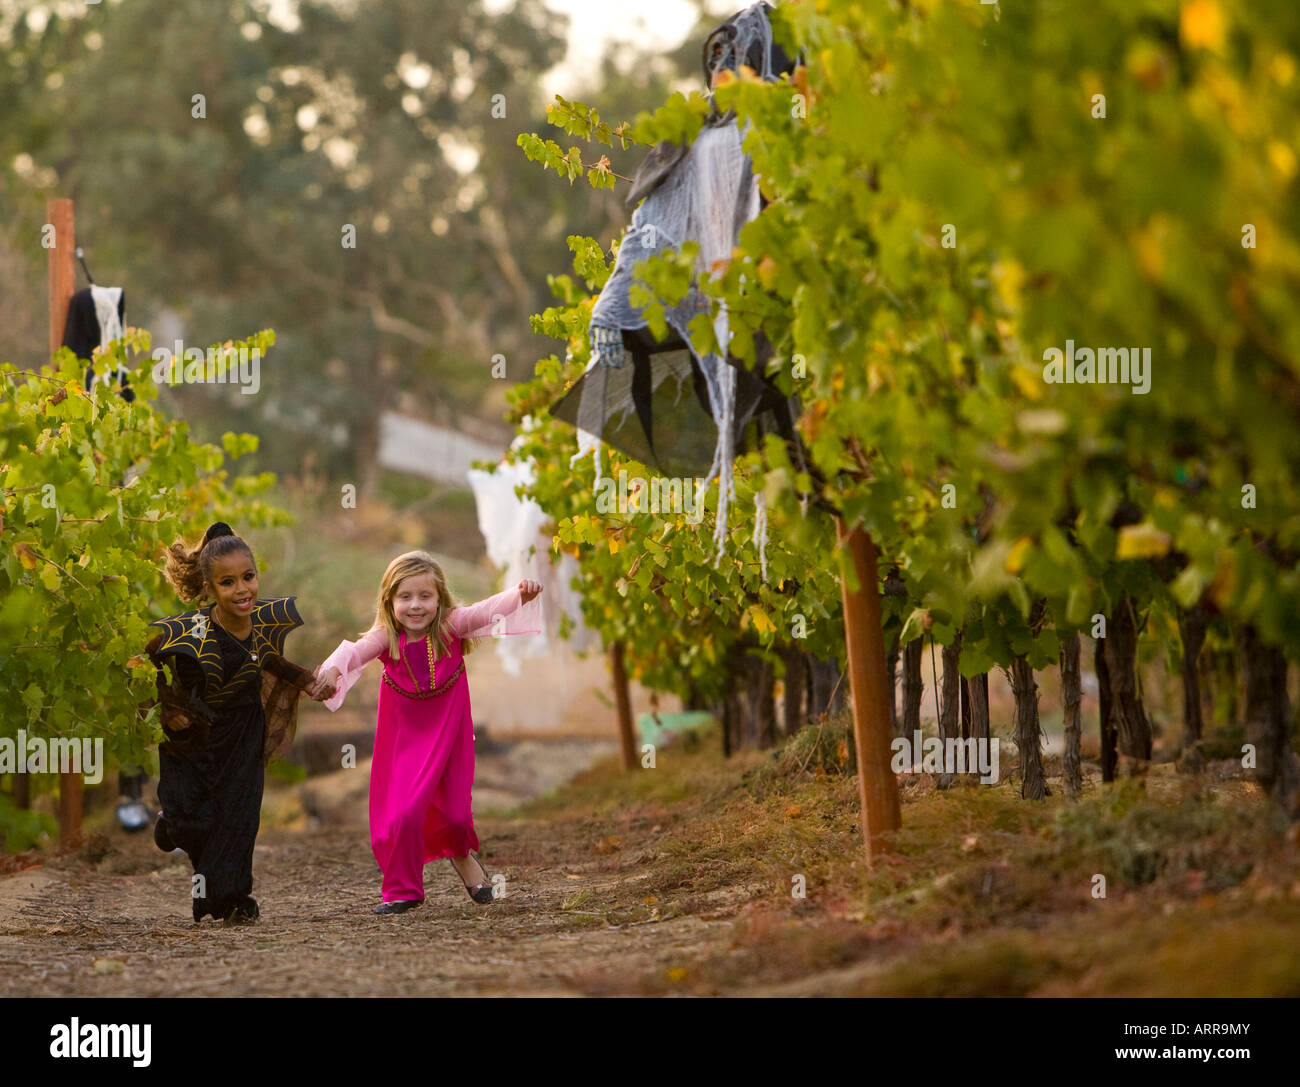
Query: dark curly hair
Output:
(190,569)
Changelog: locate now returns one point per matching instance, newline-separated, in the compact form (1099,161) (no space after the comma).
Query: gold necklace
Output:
(428,643)
(252,630)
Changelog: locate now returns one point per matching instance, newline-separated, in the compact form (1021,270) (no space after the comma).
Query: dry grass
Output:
(982,893)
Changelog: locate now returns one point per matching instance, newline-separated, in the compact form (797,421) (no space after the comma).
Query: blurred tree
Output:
(229,211)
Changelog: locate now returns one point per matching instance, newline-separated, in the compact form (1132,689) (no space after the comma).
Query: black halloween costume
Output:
(229,707)
(90,326)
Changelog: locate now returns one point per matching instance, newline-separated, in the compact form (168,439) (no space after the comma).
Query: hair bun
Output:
(217,530)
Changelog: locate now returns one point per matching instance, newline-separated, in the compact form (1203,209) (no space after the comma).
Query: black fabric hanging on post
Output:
(96,316)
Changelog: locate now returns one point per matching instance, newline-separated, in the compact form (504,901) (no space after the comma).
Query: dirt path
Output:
(682,881)
(114,920)
(77,931)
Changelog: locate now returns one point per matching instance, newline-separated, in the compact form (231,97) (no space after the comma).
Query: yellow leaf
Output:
(1016,556)
(25,556)
(1008,277)
(760,620)
(1202,25)
(1028,381)
(956,363)
(615,544)
(1143,541)
(1149,246)
(677,973)
(50,577)
(1282,158)
(767,270)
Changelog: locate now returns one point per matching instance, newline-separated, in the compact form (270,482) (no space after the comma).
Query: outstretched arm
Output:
(511,612)
(343,667)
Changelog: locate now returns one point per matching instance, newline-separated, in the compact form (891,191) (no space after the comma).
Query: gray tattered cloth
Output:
(703,193)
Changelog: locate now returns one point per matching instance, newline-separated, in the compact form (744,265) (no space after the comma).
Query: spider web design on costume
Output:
(272,622)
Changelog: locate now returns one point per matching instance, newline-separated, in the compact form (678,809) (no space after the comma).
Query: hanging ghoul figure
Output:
(705,193)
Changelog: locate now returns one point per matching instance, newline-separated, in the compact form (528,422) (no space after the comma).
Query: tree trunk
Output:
(1072,698)
(826,688)
(22,792)
(912,687)
(839,690)
(1191,627)
(1028,735)
(1106,722)
(626,730)
(949,722)
(760,691)
(864,644)
(891,667)
(1232,680)
(821,678)
(796,672)
(1130,720)
(730,707)
(978,687)
(1268,721)
(1205,665)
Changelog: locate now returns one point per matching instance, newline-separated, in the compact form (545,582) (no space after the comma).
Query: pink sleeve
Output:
(350,658)
(504,613)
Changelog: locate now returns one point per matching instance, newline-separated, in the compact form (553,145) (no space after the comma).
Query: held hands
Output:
(528,590)
(323,689)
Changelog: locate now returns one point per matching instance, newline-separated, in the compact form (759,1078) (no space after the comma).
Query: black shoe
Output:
(480,892)
(161,838)
(400,906)
(243,913)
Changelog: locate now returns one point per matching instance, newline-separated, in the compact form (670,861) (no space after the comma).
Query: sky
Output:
(594,24)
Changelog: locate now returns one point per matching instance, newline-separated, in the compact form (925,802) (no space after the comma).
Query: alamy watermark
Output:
(240,366)
(950,756)
(661,494)
(1107,366)
(113,1040)
(59,755)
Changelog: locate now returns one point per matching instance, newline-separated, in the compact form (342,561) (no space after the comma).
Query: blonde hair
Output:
(190,569)
(413,564)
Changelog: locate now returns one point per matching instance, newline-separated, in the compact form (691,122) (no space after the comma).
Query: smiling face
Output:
(415,603)
(233,584)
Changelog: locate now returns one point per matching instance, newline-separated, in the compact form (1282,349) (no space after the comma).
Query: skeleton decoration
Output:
(705,193)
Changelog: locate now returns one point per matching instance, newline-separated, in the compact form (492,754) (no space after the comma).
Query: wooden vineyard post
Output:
(62,279)
(626,738)
(869,690)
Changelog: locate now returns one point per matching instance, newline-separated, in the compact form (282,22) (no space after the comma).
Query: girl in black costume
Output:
(229,705)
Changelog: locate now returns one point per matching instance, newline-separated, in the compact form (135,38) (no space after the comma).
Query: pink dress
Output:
(423,766)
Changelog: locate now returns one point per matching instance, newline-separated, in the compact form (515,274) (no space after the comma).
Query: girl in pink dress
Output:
(423,765)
